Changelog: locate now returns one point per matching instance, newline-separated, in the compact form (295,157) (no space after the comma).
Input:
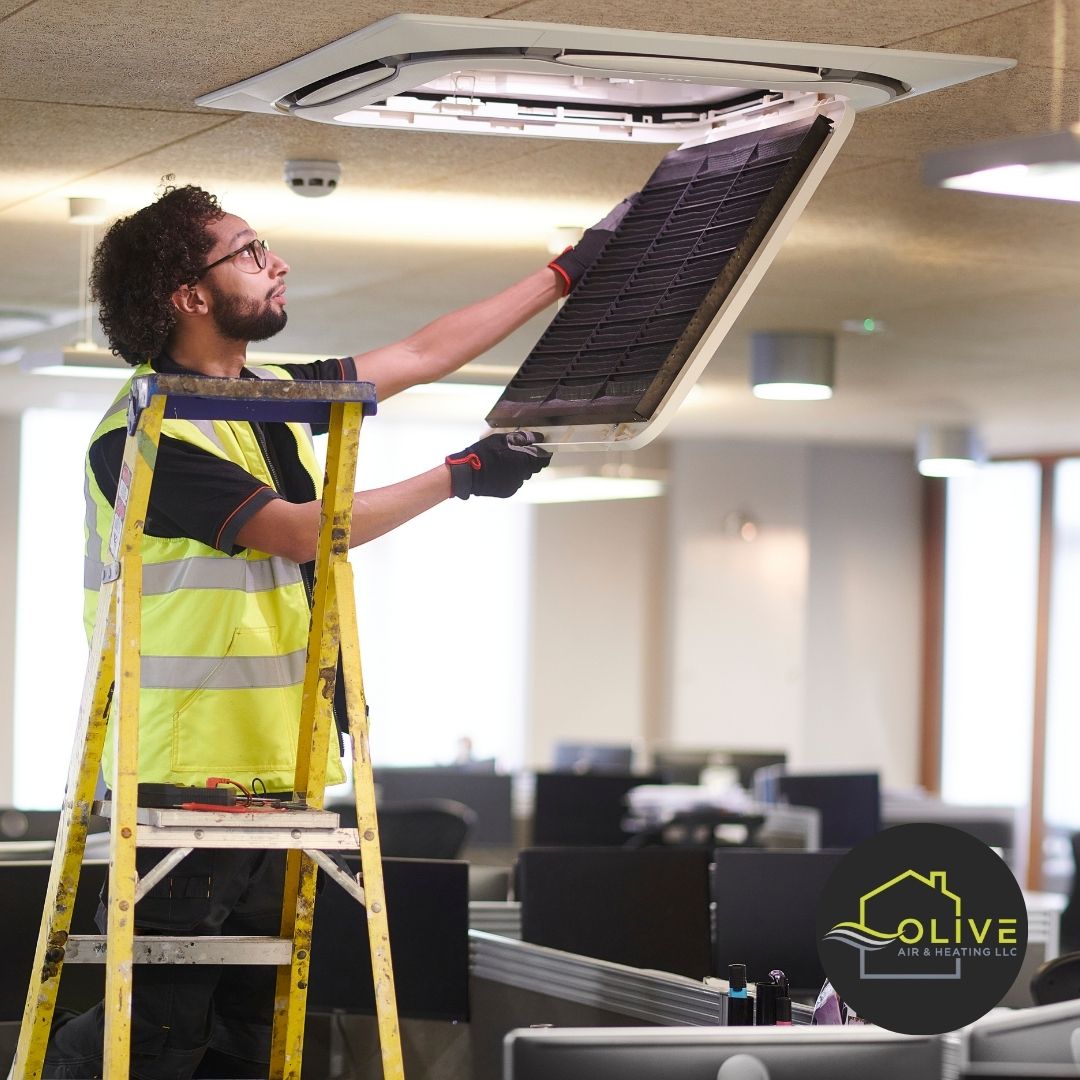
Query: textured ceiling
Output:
(978,294)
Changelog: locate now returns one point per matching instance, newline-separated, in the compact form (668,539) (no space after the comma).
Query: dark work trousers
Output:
(191,1020)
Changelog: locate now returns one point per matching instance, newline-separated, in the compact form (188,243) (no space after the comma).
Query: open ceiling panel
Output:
(627,331)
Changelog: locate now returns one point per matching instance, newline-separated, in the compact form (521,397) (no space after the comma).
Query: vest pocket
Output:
(243,714)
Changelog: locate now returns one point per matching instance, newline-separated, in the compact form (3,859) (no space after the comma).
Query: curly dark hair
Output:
(142,260)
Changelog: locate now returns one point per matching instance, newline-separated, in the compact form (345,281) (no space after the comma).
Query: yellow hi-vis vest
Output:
(224,637)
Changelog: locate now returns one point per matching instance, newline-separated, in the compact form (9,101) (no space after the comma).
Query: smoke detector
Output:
(440,73)
(312,179)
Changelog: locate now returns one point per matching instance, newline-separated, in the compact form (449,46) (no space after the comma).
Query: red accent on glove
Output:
(562,273)
(472,460)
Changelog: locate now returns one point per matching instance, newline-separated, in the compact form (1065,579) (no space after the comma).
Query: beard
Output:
(242,319)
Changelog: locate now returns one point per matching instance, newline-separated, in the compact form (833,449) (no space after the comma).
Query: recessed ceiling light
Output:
(594,483)
(948,451)
(792,367)
(1032,167)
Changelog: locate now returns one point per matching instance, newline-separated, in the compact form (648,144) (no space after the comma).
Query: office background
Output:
(651,622)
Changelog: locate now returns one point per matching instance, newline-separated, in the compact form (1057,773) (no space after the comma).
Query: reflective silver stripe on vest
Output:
(266,373)
(92,574)
(222,673)
(205,572)
(211,572)
(93,567)
(206,427)
(118,406)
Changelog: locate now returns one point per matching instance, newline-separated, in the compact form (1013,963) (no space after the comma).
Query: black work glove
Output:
(497,465)
(574,261)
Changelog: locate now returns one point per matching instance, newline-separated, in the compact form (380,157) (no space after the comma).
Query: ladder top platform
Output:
(202,397)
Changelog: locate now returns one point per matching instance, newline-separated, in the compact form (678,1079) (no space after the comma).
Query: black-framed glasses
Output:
(251,258)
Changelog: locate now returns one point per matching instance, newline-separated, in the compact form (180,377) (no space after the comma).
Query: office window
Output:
(50,644)
(441,606)
(991,564)
(1061,806)
(443,609)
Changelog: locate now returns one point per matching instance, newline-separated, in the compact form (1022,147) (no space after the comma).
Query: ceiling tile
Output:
(1043,34)
(1016,102)
(80,141)
(152,52)
(844,22)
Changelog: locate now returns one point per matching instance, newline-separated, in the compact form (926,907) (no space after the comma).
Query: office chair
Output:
(28,824)
(422,829)
(1070,916)
(1057,979)
(705,827)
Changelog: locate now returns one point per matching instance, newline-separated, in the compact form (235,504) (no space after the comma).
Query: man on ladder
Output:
(230,533)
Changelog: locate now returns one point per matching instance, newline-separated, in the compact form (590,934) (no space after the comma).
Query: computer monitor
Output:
(1011,1070)
(23,886)
(27,825)
(593,758)
(702,1053)
(766,913)
(488,794)
(646,908)
(590,808)
(1043,1034)
(850,803)
(427,910)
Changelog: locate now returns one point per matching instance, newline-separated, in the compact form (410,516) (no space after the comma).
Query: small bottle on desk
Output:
(740,1009)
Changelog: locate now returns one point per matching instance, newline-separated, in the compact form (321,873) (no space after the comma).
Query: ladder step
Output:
(239,836)
(304,829)
(90,949)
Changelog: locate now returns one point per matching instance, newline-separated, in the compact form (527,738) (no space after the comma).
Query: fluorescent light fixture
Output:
(87,211)
(521,78)
(792,367)
(1032,167)
(18,322)
(591,483)
(478,382)
(562,237)
(948,451)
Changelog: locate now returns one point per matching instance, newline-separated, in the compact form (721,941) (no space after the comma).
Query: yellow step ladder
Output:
(114,670)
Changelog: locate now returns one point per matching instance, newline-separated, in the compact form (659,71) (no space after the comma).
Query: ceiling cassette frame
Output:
(501,77)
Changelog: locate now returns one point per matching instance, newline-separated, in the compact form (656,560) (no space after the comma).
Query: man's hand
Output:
(574,261)
(497,465)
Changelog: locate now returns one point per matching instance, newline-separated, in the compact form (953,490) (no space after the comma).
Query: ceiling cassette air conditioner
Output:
(438,73)
(757,124)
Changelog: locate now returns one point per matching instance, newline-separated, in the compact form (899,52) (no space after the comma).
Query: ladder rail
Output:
(133,500)
(317,720)
(87,748)
(382,969)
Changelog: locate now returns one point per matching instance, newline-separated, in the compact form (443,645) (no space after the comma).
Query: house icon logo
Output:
(887,906)
(922,929)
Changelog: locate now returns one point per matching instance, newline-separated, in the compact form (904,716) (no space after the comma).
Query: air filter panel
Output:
(615,349)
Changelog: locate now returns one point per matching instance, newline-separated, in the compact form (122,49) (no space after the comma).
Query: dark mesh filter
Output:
(618,343)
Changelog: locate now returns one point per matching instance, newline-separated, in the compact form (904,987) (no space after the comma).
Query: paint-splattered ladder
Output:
(114,670)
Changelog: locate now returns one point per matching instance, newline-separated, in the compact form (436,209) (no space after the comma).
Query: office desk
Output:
(785,826)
